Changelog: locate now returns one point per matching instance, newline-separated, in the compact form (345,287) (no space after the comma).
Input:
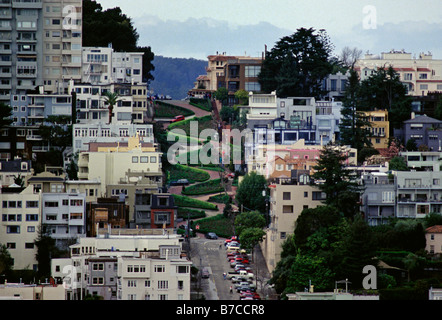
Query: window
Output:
(182,269)
(98,266)
(287,209)
(160,268)
(134,159)
(153,159)
(388,196)
(163,284)
(252,71)
(13,229)
(422,76)
(144,159)
(51,204)
(132,283)
(286,196)
(76,202)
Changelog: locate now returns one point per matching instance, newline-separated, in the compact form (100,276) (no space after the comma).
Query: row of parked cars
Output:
(242,277)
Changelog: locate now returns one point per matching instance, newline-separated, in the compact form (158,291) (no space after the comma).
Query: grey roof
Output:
(423,119)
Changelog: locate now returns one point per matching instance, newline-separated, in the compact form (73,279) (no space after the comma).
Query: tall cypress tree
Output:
(354,127)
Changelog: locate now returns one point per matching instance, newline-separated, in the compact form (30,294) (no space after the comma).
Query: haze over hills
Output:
(175,76)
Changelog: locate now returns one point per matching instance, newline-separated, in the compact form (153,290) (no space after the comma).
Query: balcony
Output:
(27,4)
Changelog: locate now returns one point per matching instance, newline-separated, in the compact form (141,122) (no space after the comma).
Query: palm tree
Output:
(111,99)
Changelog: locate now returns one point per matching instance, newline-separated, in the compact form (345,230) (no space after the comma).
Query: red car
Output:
(178,118)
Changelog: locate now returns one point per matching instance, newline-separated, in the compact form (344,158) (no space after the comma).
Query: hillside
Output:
(175,76)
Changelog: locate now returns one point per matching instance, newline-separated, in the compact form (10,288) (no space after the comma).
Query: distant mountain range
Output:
(176,76)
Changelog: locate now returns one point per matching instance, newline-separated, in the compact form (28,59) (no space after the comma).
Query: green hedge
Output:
(192,174)
(208,187)
(185,213)
(204,104)
(219,198)
(222,226)
(168,110)
(183,201)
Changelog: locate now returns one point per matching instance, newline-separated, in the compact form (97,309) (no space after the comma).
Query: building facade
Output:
(21,218)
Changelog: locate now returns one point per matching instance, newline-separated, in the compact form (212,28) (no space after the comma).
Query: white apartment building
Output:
(109,163)
(420,74)
(142,267)
(20,221)
(64,217)
(166,277)
(104,65)
(85,133)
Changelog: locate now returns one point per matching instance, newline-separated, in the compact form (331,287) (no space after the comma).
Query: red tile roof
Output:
(434,229)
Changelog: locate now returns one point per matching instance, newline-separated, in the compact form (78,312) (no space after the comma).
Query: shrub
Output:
(203,104)
(211,186)
(179,171)
(222,226)
(183,201)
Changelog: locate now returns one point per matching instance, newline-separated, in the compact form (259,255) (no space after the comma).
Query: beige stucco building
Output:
(433,236)
(20,291)
(287,200)
(421,74)
(20,219)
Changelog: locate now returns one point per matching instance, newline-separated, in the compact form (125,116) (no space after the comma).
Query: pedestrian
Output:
(224,275)
(231,289)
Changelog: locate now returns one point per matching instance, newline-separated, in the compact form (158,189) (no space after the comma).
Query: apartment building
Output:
(288,197)
(15,169)
(126,263)
(104,65)
(421,74)
(424,130)
(85,134)
(21,291)
(379,198)
(380,128)
(64,217)
(406,194)
(40,44)
(165,277)
(20,221)
(62,44)
(334,85)
(422,160)
(231,72)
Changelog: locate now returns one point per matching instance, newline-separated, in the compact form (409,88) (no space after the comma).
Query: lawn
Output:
(205,122)
(167,110)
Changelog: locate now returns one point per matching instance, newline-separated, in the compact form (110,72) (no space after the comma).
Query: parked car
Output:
(211,235)
(178,118)
(180,182)
(205,273)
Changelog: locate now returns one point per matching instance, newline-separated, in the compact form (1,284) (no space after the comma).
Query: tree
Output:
(356,251)
(354,127)
(384,90)
(349,56)
(314,220)
(221,94)
(249,193)
(336,181)
(250,237)
(6,261)
(5,115)
(111,99)
(111,26)
(46,250)
(242,96)
(398,164)
(57,131)
(297,64)
(247,220)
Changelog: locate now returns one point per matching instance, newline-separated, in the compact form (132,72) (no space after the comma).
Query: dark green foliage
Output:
(398,164)
(384,90)
(297,64)
(354,127)
(337,182)
(5,115)
(249,193)
(208,187)
(203,104)
(164,109)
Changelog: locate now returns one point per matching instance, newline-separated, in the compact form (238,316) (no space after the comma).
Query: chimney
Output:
(413,115)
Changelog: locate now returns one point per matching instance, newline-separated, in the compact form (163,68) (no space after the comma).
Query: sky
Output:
(198,28)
